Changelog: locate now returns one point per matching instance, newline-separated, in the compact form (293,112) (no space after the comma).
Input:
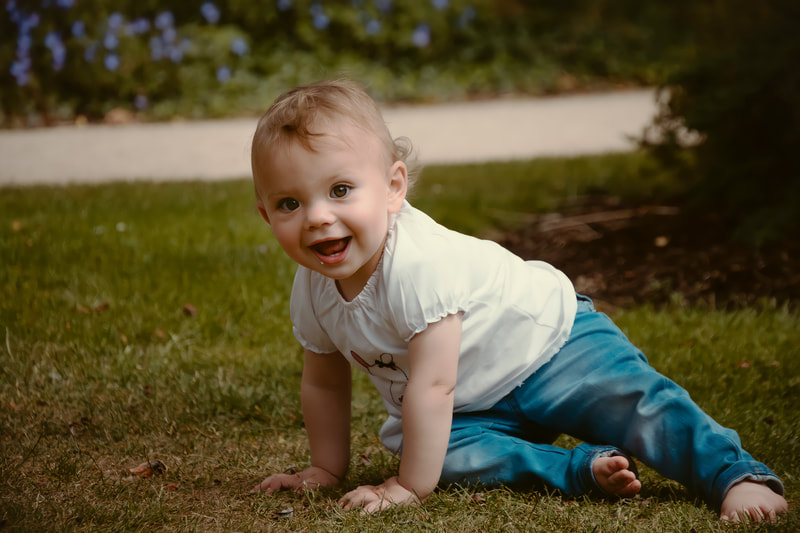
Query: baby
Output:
(482,359)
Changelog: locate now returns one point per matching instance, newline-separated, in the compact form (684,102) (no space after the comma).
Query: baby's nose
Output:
(319,214)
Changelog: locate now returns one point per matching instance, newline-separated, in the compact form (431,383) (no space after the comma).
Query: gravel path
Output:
(219,149)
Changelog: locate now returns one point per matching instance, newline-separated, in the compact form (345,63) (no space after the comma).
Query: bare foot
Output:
(614,477)
(754,500)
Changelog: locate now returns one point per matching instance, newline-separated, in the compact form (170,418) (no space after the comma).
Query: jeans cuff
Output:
(606,451)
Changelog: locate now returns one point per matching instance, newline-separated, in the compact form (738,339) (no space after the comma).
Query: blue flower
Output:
(59,52)
(210,12)
(175,54)
(156,48)
(239,46)
(169,35)
(21,70)
(141,102)
(24,43)
(421,36)
(91,51)
(52,39)
(78,29)
(115,21)
(15,16)
(223,74)
(21,64)
(284,5)
(29,22)
(164,20)
(23,77)
(111,62)
(468,14)
(26,24)
(440,4)
(138,27)
(384,6)
(373,27)
(320,18)
(110,41)
(321,21)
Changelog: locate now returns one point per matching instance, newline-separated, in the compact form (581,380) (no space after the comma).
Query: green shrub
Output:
(194,59)
(740,90)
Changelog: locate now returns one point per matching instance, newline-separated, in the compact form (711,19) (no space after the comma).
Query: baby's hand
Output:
(371,499)
(311,478)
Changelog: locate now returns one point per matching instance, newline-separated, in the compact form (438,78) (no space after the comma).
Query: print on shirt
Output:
(386,361)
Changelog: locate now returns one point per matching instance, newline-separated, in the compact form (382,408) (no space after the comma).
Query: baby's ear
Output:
(263,212)
(398,185)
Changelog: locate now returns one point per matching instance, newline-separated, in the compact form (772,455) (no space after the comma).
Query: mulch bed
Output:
(633,255)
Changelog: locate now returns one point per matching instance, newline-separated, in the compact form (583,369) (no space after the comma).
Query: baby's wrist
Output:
(317,471)
(409,489)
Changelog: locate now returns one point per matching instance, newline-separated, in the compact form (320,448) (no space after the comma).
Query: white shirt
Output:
(515,314)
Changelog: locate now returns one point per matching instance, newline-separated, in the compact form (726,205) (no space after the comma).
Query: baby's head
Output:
(328,178)
(308,114)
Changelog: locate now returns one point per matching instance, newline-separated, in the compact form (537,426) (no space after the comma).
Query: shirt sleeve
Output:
(305,325)
(426,283)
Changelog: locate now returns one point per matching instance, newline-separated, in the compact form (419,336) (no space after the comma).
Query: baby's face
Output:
(330,209)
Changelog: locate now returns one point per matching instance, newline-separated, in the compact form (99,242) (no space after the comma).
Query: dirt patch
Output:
(631,255)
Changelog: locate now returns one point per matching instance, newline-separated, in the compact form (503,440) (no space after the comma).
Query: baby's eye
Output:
(340,191)
(288,204)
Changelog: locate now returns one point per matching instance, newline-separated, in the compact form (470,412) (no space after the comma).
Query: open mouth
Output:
(332,251)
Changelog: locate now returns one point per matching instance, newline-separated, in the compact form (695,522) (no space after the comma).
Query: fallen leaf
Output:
(82,309)
(148,469)
(478,497)
(99,308)
(743,364)
(285,513)
(189,310)
(364,460)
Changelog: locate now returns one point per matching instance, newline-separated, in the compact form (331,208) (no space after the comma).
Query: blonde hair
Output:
(296,113)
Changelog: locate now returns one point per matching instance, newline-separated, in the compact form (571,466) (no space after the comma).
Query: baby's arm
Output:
(427,418)
(325,393)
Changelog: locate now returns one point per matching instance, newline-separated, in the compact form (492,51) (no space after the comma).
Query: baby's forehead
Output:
(339,134)
(344,130)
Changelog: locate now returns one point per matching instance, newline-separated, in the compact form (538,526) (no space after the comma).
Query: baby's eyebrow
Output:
(279,194)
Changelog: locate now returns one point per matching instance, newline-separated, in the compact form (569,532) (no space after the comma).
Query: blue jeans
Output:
(598,388)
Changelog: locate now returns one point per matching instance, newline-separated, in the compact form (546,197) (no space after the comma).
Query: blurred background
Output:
(81,59)
(728,69)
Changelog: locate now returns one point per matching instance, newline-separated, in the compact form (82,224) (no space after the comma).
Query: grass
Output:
(143,322)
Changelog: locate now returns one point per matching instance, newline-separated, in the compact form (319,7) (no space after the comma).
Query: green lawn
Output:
(150,322)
